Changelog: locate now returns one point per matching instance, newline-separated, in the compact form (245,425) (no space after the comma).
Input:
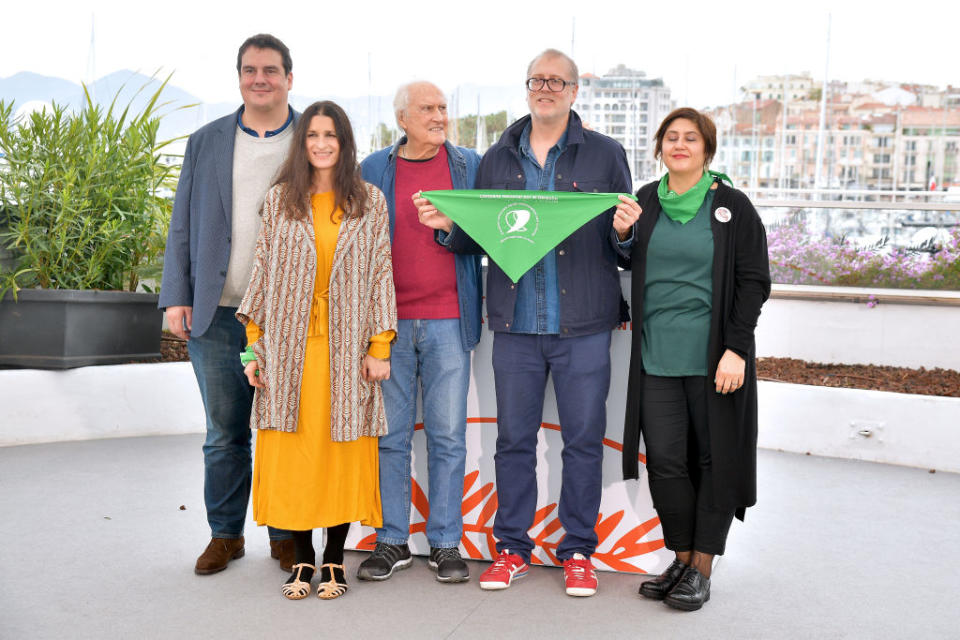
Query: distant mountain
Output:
(26,86)
(136,88)
(129,87)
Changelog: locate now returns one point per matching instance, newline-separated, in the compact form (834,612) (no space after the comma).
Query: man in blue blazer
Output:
(227,168)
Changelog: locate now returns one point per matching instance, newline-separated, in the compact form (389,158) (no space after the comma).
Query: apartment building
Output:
(791,87)
(627,106)
(874,141)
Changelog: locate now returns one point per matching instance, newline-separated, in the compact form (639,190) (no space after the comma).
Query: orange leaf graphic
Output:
(488,509)
(471,549)
(648,525)
(470,502)
(419,499)
(368,543)
(605,527)
(630,546)
(481,525)
(552,527)
(491,545)
(541,514)
(469,479)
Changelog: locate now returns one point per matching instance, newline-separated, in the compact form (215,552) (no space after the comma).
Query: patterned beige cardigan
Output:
(362,305)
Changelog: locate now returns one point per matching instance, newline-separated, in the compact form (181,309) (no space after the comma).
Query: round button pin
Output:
(722,214)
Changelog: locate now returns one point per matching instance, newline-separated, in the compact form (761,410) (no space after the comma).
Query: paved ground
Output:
(93,545)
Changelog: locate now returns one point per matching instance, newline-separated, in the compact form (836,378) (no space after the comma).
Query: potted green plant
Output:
(84,209)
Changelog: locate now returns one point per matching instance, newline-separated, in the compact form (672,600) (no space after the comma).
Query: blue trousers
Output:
(580,368)
(428,352)
(227,399)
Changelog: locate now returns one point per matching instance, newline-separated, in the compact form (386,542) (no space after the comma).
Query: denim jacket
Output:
(587,260)
(380,169)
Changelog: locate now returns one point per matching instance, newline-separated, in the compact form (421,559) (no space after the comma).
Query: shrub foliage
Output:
(84,195)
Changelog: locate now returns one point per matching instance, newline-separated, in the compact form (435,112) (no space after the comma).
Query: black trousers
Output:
(332,552)
(676,433)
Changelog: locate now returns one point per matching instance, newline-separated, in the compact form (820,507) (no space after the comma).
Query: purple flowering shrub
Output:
(800,257)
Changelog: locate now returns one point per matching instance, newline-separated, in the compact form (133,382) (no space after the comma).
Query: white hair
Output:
(401,101)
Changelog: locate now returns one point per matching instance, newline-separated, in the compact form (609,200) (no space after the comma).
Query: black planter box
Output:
(62,329)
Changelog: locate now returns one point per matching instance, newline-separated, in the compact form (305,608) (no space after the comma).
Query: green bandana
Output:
(682,207)
(517,228)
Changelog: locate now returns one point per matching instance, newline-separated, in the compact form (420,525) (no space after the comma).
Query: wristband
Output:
(247,356)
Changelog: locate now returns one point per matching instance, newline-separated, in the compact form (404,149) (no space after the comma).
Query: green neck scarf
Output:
(682,207)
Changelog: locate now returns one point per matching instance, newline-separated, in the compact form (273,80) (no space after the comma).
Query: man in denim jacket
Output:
(556,320)
(438,307)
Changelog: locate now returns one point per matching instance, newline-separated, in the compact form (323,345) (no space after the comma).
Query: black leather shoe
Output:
(691,592)
(384,559)
(659,587)
(448,564)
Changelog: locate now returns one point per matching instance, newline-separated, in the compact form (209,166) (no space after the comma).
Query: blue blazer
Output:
(198,243)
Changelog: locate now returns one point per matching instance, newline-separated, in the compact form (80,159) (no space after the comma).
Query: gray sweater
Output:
(255,165)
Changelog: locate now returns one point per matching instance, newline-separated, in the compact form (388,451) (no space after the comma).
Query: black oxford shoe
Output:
(658,588)
(691,592)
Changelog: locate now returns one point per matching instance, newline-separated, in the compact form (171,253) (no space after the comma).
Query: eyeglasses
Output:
(556,85)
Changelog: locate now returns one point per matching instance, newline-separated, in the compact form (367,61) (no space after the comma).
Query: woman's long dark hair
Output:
(296,174)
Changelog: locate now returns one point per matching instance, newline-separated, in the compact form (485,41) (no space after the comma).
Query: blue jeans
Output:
(432,351)
(581,379)
(227,399)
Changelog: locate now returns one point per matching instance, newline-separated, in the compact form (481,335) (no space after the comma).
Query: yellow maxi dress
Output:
(303,479)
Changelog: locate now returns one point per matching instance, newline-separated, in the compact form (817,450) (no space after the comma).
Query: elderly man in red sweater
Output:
(438,307)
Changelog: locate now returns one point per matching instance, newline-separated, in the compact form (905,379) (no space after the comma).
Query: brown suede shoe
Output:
(282,550)
(218,553)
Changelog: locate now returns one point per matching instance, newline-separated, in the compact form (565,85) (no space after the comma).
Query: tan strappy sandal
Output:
(333,581)
(298,589)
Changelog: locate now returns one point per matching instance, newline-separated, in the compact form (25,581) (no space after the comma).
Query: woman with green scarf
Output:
(700,276)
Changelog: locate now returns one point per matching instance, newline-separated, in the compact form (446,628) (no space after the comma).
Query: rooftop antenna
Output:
(736,92)
(783,135)
(823,110)
(573,35)
(92,61)
(456,117)
(481,143)
(371,120)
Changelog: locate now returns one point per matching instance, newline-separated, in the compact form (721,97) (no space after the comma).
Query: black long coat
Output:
(741,284)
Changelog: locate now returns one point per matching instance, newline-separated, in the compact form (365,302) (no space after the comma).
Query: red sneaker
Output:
(504,569)
(579,576)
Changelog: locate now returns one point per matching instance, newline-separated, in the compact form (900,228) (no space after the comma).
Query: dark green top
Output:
(678,295)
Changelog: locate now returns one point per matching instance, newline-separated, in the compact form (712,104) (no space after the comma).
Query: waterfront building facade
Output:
(884,140)
(627,106)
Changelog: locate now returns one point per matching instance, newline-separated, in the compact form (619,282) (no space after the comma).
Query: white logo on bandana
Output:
(518,221)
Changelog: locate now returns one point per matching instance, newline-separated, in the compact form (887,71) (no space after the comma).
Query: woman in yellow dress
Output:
(320,315)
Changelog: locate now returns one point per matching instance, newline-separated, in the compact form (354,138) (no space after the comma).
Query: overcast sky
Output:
(703,51)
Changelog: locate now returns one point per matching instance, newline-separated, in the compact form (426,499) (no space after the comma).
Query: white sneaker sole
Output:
(433,566)
(580,592)
(402,564)
(498,586)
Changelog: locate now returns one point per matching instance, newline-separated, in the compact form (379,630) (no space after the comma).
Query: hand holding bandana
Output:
(517,228)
